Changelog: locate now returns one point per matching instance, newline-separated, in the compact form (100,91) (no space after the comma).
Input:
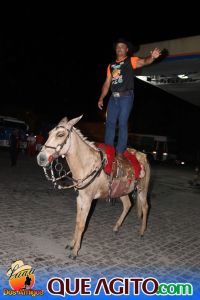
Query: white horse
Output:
(86,163)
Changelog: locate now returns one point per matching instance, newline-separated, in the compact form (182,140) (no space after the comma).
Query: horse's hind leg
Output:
(142,204)
(126,206)
(142,210)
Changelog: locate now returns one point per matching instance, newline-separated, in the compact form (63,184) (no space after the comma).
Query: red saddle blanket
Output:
(110,153)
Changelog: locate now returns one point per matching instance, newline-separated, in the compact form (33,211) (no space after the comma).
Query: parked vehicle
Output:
(158,148)
(7,125)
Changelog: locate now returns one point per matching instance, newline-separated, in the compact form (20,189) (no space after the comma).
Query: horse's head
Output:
(58,142)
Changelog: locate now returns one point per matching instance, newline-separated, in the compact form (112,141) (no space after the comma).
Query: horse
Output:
(86,162)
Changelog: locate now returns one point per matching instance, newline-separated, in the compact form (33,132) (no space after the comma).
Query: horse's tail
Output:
(143,188)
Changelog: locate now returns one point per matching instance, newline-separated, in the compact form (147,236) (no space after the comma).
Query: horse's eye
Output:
(60,134)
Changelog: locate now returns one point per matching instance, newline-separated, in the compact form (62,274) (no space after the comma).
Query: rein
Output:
(78,183)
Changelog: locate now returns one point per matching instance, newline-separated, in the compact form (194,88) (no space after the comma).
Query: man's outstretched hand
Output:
(155,53)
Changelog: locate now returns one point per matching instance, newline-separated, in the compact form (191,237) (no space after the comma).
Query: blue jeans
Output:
(119,109)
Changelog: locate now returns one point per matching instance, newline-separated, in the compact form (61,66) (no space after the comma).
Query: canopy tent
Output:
(179,72)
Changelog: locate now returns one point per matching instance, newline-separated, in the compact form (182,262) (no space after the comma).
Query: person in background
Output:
(31,144)
(14,145)
(39,141)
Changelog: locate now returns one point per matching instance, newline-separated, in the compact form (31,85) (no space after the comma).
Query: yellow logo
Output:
(21,276)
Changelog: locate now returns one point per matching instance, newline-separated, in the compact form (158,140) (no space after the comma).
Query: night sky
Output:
(52,66)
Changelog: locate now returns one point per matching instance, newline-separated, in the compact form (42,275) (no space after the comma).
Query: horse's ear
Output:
(72,122)
(63,121)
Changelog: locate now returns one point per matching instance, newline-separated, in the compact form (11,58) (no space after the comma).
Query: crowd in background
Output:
(33,145)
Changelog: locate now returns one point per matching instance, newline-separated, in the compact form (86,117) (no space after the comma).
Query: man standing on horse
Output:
(120,79)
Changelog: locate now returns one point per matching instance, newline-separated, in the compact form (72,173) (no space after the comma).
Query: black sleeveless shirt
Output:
(122,75)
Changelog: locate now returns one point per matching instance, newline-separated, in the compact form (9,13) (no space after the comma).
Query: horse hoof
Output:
(141,236)
(73,257)
(69,247)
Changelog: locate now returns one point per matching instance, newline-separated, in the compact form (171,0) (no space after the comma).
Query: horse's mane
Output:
(84,139)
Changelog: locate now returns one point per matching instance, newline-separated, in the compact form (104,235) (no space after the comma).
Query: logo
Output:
(20,276)
(21,279)
(125,286)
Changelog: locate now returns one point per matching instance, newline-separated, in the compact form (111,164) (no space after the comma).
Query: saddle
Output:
(122,177)
(124,171)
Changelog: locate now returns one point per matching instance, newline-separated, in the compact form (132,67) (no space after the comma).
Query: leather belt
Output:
(124,93)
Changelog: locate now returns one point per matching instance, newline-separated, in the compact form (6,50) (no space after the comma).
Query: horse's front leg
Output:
(83,208)
(73,241)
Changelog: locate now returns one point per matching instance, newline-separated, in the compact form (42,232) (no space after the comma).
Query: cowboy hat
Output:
(16,267)
(126,42)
